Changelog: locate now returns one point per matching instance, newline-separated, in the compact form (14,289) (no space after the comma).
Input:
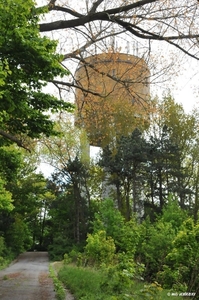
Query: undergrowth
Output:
(88,284)
(59,289)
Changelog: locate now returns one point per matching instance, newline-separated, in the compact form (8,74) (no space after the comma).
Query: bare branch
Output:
(67,10)
(95,6)
(104,16)
(109,16)
(73,85)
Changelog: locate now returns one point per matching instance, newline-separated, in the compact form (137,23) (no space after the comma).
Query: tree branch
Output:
(95,6)
(107,16)
(103,16)
(57,82)
(51,4)
(13,139)
(153,36)
(67,10)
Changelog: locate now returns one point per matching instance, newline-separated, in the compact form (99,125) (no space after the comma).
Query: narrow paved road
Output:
(27,279)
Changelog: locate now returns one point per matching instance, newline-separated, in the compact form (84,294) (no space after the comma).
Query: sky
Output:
(187,91)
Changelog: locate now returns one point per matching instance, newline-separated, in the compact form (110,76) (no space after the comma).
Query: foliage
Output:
(181,266)
(59,289)
(6,256)
(151,292)
(108,218)
(11,163)
(2,245)
(59,246)
(118,278)
(173,214)
(173,136)
(5,197)
(100,248)
(28,62)
(84,283)
(91,284)
(156,239)
(2,249)
(125,163)
(68,153)
(144,168)
(18,236)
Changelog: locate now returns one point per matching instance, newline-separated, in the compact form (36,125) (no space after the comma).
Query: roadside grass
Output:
(58,286)
(86,284)
(5,262)
(83,283)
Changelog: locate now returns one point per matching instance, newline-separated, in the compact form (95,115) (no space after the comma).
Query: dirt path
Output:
(27,279)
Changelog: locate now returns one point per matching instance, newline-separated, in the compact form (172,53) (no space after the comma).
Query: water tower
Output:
(118,97)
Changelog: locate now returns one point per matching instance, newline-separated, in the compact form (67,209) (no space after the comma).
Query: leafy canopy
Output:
(27,63)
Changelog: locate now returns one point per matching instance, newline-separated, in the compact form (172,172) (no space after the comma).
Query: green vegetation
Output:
(59,289)
(126,226)
(88,284)
(28,63)
(153,269)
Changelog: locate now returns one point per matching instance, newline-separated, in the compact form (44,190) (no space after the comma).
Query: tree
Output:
(162,168)
(97,26)
(32,199)
(126,165)
(173,151)
(69,155)
(10,165)
(28,63)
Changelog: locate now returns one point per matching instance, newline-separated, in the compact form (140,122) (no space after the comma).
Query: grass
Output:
(59,289)
(85,284)
(5,262)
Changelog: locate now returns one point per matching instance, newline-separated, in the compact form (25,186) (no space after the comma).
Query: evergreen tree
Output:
(126,166)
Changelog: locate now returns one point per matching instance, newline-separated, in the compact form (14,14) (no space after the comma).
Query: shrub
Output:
(181,267)
(156,239)
(58,248)
(2,245)
(100,248)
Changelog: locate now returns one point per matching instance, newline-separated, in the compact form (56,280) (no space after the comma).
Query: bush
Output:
(155,244)
(156,239)
(100,248)
(59,247)
(118,279)
(125,234)
(18,236)
(106,284)
(2,245)
(181,267)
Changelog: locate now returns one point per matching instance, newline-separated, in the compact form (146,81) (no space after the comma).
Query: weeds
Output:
(88,284)
(59,289)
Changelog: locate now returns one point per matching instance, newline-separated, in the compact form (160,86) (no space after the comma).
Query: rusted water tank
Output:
(118,96)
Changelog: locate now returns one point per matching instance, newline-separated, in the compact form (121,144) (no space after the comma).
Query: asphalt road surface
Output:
(27,279)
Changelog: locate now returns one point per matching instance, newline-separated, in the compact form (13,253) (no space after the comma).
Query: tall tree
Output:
(28,62)
(69,155)
(125,164)
(162,166)
(176,132)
